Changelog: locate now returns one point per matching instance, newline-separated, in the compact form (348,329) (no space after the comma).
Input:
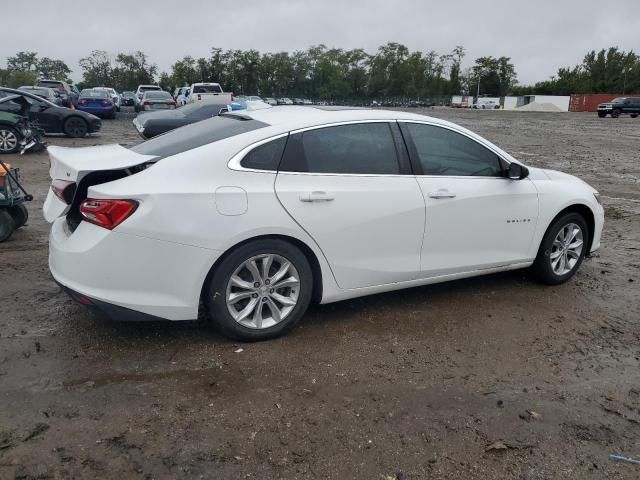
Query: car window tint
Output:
(10,106)
(363,148)
(266,156)
(196,135)
(444,152)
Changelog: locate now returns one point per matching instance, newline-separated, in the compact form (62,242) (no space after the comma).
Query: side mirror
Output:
(517,171)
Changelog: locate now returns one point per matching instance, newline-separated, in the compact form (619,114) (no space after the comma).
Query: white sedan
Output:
(254,214)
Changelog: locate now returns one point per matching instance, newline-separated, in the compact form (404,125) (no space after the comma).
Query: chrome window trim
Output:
(234,163)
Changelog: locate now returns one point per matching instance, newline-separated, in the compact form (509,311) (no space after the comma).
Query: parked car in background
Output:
(114,96)
(97,102)
(75,94)
(43,92)
(255,98)
(298,101)
(264,211)
(156,100)
(620,106)
(53,118)
(145,88)
(181,98)
(14,126)
(208,92)
(151,124)
(270,101)
(128,99)
(285,101)
(63,89)
(481,104)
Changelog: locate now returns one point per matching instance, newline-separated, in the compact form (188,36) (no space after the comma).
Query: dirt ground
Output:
(406,385)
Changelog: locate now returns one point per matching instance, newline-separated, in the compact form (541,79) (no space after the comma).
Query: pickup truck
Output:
(619,106)
(208,92)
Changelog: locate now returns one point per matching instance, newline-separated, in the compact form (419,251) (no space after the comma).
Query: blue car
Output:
(97,102)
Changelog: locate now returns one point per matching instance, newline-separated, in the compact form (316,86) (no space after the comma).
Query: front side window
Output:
(442,151)
(362,148)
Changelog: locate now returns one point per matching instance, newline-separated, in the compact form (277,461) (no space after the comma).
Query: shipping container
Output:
(588,102)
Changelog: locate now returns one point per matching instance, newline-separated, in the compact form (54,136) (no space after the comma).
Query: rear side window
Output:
(444,152)
(266,156)
(197,134)
(362,148)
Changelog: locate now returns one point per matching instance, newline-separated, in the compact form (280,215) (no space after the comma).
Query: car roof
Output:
(298,117)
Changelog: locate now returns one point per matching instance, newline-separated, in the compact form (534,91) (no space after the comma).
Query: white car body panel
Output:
(157,261)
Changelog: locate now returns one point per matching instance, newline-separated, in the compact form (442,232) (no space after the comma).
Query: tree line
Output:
(320,72)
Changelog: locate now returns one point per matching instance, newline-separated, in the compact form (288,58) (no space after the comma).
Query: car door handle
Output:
(316,196)
(442,193)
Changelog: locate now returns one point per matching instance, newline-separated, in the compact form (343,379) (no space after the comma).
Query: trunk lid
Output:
(76,164)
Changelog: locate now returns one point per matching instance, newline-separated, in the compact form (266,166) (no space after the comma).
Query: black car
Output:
(619,106)
(154,123)
(129,99)
(53,118)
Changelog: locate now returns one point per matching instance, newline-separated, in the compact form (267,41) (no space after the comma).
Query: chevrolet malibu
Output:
(247,217)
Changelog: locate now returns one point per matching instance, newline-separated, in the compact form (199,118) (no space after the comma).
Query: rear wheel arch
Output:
(311,257)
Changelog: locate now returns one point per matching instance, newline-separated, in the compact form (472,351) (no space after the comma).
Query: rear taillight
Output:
(147,103)
(107,213)
(171,103)
(107,102)
(199,97)
(82,102)
(64,190)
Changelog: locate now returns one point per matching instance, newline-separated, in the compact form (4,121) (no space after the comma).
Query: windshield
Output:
(94,94)
(196,135)
(207,89)
(144,88)
(618,100)
(157,95)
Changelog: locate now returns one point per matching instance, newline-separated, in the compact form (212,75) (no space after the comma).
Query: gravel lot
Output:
(406,385)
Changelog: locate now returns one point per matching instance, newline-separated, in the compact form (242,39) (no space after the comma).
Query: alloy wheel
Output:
(566,249)
(76,127)
(263,291)
(8,140)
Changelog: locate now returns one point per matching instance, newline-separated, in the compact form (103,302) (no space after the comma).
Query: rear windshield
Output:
(94,94)
(54,85)
(144,88)
(197,134)
(207,89)
(157,95)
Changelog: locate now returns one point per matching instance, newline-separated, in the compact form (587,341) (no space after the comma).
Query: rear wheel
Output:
(7,226)
(259,291)
(616,113)
(562,250)
(20,215)
(9,140)
(75,127)
(633,115)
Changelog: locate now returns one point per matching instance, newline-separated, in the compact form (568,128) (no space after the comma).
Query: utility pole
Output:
(624,82)
(478,91)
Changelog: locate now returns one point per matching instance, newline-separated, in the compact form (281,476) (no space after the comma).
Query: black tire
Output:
(615,113)
(7,137)
(542,266)
(20,215)
(602,114)
(633,115)
(215,291)
(75,127)
(7,226)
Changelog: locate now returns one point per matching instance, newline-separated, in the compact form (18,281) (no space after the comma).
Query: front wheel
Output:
(602,114)
(633,115)
(259,291)
(75,127)
(562,250)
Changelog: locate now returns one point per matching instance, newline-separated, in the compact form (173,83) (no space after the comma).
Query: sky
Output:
(540,36)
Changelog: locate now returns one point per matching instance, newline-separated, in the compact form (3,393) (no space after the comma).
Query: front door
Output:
(345,186)
(476,217)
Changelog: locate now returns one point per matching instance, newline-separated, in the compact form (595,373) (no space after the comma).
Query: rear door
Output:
(350,188)
(476,217)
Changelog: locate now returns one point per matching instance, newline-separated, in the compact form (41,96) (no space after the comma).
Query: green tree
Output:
(23,61)
(53,69)
(97,69)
